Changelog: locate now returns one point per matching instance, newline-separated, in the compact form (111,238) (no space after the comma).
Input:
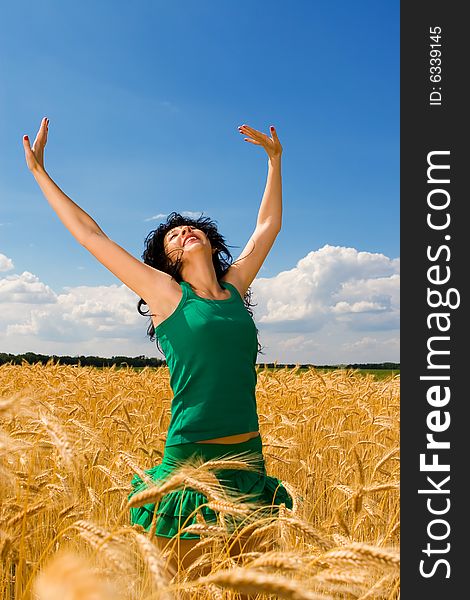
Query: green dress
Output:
(210,348)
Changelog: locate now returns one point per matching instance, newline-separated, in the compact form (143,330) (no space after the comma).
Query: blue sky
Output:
(144,100)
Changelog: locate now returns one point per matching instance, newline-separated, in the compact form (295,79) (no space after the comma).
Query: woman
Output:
(199,309)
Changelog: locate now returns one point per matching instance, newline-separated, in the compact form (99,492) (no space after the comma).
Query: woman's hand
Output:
(272,145)
(35,155)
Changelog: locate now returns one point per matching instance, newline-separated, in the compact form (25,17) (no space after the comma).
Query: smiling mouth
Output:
(190,240)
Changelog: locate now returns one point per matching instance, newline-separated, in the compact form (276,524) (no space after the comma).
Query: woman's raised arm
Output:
(142,279)
(268,223)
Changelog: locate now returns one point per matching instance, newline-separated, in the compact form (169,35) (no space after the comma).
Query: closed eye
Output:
(172,235)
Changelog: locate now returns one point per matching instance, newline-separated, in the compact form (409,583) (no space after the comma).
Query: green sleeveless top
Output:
(210,348)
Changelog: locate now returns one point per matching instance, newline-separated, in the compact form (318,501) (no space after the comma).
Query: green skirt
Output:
(177,509)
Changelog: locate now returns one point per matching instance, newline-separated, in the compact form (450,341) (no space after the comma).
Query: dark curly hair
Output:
(154,255)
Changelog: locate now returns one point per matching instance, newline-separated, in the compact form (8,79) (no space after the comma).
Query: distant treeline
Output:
(145,361)
(84,361)
(385,366)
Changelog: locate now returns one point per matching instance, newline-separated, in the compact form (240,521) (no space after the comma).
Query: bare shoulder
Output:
(233,277)
(162,302)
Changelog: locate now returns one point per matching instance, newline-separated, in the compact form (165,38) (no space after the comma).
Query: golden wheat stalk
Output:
(100,539)
(382,487)
(213,540)
(390,454)
(377,588)
(229,507)
(155,565)
(200,529)
(294,494)
(153,525)
(201,561)
(229,464)
(252,581)
(278,560)
(310,531)
(210,492)
(183,477)
(60,439)
(27,512)
(343,577)
(270,527)
(154,493)
(358,554)
(6,545)
(67,510)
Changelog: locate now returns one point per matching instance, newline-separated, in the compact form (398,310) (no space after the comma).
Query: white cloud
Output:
(189,213)
(6,264)
(329,296)
(358,307)
(185,213)
(337,305)
(371,344)
(25,289)
(156,217)
(329,281)
(80,313)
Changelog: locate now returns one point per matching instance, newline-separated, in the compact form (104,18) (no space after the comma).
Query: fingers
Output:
(252,141)
(243,129)
(41,137)
(43,129)
(271,144)
(254,133)
(248,128)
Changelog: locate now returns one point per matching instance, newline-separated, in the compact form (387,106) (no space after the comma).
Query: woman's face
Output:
(185,239)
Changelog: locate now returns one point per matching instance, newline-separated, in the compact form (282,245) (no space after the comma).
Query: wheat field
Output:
(72,437)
